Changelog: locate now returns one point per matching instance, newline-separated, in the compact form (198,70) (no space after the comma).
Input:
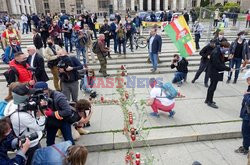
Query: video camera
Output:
(34,102)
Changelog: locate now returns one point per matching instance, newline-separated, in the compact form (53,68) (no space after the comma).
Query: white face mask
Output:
(220,36)
(242,37)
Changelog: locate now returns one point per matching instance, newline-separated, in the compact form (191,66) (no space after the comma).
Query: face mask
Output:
(224,51)
(242,37)
(23,63)
(13,43)
(50,44)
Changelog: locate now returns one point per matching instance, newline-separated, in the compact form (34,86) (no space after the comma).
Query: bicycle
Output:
(138,41)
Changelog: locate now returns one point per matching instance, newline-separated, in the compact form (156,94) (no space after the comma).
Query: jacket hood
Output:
(10,108)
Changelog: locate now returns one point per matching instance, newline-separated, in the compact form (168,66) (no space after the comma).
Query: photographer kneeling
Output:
(26,117)
(8,142)
(56,114)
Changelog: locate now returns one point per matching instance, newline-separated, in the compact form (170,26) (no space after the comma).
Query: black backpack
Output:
(11,75)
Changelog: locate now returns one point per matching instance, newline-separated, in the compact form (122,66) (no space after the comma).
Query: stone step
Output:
(165,135)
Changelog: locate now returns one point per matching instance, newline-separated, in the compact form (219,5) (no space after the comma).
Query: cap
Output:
(41,85)
(77,27)
(247,75)
(196,163)
(23,90)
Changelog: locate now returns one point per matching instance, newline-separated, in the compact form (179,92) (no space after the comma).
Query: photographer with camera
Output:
(58,110)
(67,30)
(68,73)
(26,117)
(181,64)
(8,142)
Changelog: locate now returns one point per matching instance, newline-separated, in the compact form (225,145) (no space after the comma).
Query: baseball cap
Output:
(23,90)
(247,75)
(41,85)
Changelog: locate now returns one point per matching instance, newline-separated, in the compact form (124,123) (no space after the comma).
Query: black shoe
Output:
(193,81)
(110,57)
(235,81)
(228,81)
(213,102)
(206,85)
(100,71)
(212,105)
(132,50)
(106,75)
(242,150)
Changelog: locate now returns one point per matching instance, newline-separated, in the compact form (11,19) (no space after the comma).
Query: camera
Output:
(175,61)
(33,102)
(22,139)
(61,64)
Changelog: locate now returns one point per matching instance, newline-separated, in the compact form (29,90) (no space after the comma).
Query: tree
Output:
(231,7)
(204,3)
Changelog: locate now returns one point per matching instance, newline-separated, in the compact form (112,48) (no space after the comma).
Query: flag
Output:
(179,32)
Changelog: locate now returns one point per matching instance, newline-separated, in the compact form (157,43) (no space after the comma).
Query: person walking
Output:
(24,23)
(216,17)
(105,29)
(154,47)
(205,54)
(44,31)
(248,19)
(121,38)
(239,50)
(89,44)
(113,28)
(67,31)
(198,29)
(130,31)
(102,52)
(216,70)
(37,41)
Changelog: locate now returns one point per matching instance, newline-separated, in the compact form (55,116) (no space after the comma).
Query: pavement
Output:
(194,121)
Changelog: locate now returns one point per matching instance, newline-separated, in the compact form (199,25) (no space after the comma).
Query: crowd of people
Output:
(30,101)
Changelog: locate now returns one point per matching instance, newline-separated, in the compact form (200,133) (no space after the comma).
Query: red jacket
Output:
(24,75)
(248,17)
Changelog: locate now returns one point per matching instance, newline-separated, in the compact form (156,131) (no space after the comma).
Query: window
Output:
(103,4)
(29,1)
(26,12)
(62,5)
(238,2)
(194,3)
(63,11)
(21,10)
(46,5)
(78,11)
(47,11)
(30,10)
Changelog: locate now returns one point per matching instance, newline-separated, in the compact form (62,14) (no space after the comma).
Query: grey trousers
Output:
(72,89)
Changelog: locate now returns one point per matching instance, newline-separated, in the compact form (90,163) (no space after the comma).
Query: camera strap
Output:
(59,151)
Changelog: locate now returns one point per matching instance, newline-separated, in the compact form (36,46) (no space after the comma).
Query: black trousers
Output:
(211,90)
(107,43)
(202,68)
(197,40)
(31,152)
(245,130)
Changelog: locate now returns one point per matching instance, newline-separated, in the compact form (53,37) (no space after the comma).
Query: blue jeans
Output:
(80,51)
(178,77)
(65,127)
(154,60)
(237,63)
(85,85)
(66,42)
(25,27)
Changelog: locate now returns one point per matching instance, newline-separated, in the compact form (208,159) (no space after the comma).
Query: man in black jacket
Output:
(44,30)
(68,66)
(180,63)
(37,41)
(205,56)
(216,68)
(36,61)
(57,113)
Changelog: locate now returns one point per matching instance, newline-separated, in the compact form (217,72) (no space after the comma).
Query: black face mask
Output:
(23,63)
(50,44)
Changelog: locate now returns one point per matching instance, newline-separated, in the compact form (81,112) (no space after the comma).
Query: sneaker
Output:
(212,105)
(152,70)
(171,114)
(179,84)
(242,150)
(228,81)
(235,81)
(106,75)
(154,114)
(213,102)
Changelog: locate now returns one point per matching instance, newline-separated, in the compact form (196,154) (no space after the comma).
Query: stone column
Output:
(115,5)
(174,5)
(165,4)
(13,7)
(132,5)
(157,5)
(124,5)
(149,5)
(141,5)
(182,4)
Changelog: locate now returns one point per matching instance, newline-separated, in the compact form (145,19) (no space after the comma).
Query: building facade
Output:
(107,6)
(17,7)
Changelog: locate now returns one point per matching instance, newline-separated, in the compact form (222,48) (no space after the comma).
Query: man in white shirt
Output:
(159,101)
(24,19)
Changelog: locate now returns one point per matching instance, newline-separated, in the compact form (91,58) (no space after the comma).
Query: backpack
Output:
(2,108)
(95,47)
(11,75)
(169,91)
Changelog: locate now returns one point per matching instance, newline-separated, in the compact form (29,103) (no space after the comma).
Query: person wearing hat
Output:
(205,56)
(56,113)
(10,50)
(26,122)
(10,32)
(245,115)
(239,50)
